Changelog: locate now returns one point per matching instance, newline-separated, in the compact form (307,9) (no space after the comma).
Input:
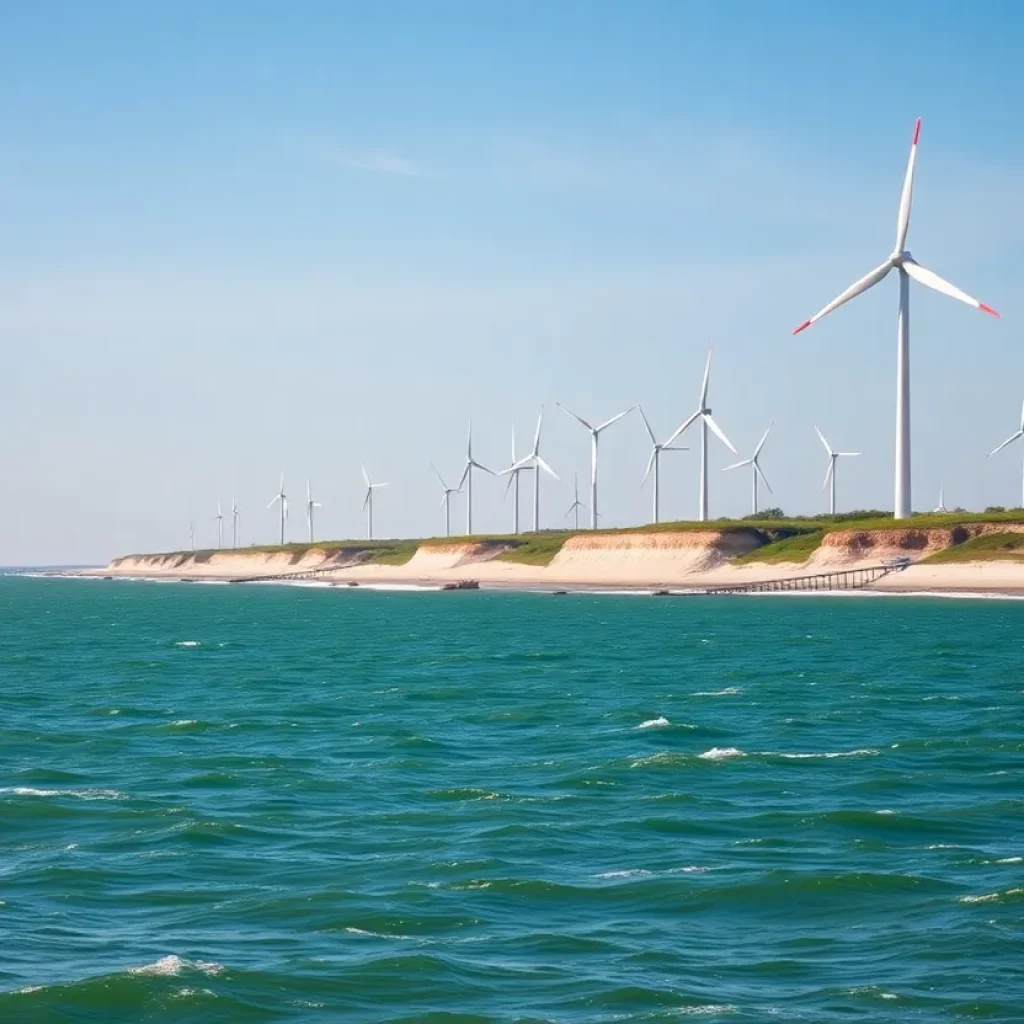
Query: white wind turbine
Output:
(513,472)
(756,470)
(908,267)
(1013,437)
(595,432)
(537,463)
(654,462)
(577,504)
(280,497)
(235,516)
(368,503)
(703,414)
(446,501)
(310,505)
(830,474)
(941,507)
(220,527)
(467,479)
(192,534)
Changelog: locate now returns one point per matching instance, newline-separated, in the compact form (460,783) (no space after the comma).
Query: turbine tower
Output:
(577,504)
(703,414)
(655,462)
(536,462)
(368,503)
(595,432)
(756,470)
(310,505)
(446,501)
(220,527)
(908,267)
(830,474)
(192,534)
(235,515)
(280,497)
(1010,440)
(513,482)
(467,479)
(941,507)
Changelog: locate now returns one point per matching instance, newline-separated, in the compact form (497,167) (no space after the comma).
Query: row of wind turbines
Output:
(901,260)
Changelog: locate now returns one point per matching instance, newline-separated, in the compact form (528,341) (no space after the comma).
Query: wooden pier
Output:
(840,579)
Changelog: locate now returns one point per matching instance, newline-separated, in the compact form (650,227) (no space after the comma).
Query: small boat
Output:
(462,585)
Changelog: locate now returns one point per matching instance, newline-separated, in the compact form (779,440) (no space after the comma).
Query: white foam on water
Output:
(885,810)
(990,897)
(375,935)
(1009,860)
(654,723)
(28,990)
(79,794)
(186,721)
(729,691)
(863,752)
(171,966)
(635,873)
(188,643)
(721,753)
(704,1011)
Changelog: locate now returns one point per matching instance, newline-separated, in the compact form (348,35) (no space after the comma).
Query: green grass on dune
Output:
(797,548)
(992,547)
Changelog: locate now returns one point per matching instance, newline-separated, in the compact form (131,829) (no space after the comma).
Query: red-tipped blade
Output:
(917,131)
(989,310)
(803,326)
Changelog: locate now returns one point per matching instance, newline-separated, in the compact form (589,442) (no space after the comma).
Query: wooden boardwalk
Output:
(839,579)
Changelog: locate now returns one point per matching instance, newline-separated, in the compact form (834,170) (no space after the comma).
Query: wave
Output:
(78,794)
(172,966)
(729,691)
(721,753)
(654,723)
(993,897)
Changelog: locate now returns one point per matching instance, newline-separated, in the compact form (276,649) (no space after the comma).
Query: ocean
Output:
(273,803)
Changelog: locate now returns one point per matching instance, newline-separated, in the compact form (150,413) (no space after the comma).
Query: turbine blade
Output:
(275,498)
(823,441)
(676,448)
(828,473)
(736,465)
(707,378)
(508,486)
(650,463)
(855,289)
(614,419)
(847,454)
(906,198)
(650,433)
(365,475)
(760,472)
(465,473)
(709,420)
(760,444)
(932,280)
(680,429)
(536,436)
(547,469)
(439,477)
(367,498)
(1009,440)
(574,416)
(444,498)
(480,465)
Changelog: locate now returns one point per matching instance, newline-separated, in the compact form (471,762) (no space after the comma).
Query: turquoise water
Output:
(267,803)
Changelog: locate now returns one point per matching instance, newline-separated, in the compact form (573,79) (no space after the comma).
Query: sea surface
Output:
(272,803)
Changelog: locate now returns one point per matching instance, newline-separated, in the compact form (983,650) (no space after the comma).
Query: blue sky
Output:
(237,238)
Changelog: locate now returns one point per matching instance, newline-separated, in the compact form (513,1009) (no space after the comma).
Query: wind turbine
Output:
(594,434)
(446,501)
(513,482)
(703,414)
(756,470)
(577,504)
(467,479)
(220,527)
(830,475)
(280,497)
(534,461)
(192,534)
(1010,440)
(368,503)
(941,507)
(908,267)
(310,505)
(235,515)
(655,462)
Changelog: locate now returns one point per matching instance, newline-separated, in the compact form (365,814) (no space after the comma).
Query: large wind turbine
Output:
(703,414)
(220,527)
(446,501)
(830,474)
(577,504)
(467,479)
(655,462)
(1010,440)
(756,470)
(537,463)
(368,503)
(908,268)
(595,432)
(280,497)
(515,468)
(310,505)
(235,515)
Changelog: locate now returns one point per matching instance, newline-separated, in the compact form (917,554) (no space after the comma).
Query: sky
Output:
(241,238)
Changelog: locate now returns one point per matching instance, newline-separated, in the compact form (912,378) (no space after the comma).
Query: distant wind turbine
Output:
(908,268)
(515,468)
(310,505)
(654,462)
(368,503)
(577,504)
(467,479)
(537,463)
(756,470)
(283,500)
(192,534)
(595,432)
(220,527)
(1010,440)
(446,501)
(235,516)
(941,507)
(703,414)
(830,474)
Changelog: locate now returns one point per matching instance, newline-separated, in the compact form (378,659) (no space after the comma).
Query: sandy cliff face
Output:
(844,547)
